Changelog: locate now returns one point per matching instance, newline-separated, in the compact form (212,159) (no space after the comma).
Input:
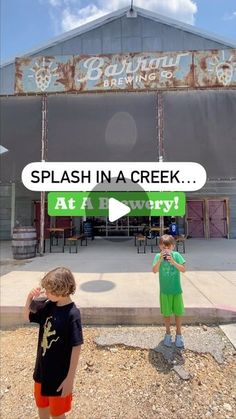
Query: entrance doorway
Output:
(207,218)
(195,218)
(218,223)
(125,226)
(37,219)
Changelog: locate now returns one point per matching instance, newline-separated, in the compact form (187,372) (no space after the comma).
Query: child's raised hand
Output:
(162,254)
(35,292)
(170,259)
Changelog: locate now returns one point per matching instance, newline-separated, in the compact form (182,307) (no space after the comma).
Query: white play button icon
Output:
(117,209)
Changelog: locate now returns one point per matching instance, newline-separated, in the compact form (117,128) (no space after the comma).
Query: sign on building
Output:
(126,72)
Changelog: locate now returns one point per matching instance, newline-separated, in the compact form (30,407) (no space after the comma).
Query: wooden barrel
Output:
(24,240)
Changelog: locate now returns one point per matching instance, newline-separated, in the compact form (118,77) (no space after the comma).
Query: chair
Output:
(73,241)
(180,242)
(155,246)
(142,241)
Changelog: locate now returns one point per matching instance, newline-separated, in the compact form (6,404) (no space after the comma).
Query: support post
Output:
(43,158)
(13,205)
(160,140)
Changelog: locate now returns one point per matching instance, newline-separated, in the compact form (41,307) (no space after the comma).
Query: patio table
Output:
(57,232)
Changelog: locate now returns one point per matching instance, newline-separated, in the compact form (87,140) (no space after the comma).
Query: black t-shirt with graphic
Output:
(60,329)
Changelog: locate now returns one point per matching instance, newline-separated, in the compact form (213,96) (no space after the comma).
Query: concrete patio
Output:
(115,284)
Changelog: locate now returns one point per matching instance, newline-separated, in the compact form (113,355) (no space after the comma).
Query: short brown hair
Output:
(167,240)
(60,281)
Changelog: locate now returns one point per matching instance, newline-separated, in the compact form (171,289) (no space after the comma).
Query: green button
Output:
(96,203)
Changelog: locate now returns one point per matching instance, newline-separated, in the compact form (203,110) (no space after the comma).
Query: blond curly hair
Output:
(60,281)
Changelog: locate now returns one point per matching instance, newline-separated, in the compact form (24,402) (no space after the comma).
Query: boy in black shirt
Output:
(59,342)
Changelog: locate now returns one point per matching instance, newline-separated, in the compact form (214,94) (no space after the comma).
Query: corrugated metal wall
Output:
(5,212)
(118,36)
(132,35)
(22,211)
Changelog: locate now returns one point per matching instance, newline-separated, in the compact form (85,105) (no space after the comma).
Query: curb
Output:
(133,316)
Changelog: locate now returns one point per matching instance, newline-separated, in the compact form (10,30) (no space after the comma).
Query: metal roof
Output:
(119,13)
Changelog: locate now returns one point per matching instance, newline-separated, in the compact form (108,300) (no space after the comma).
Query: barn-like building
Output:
(198,123)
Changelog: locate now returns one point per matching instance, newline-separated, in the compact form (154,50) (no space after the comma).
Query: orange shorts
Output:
(57,405)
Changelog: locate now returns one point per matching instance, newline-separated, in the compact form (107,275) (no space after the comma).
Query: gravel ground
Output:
(118,381)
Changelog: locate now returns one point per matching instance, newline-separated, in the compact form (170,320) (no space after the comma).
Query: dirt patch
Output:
(122,382)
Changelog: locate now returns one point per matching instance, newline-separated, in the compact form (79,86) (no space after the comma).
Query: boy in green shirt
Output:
(169,264)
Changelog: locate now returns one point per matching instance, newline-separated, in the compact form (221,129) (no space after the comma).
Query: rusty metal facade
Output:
(43,74)
(126,72)
(215,68)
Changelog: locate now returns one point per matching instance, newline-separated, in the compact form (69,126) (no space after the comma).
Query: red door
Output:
(37,220)
(60,222)
(63,222)
(195,218)
(217,218)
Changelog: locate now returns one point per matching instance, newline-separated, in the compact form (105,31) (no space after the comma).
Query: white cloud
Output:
(55,3)
(70,20)
(230,16)
(179,9)
(71,13)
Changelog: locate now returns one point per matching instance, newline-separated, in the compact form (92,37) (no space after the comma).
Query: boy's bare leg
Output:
(44,413)
(167,325)
(178,321)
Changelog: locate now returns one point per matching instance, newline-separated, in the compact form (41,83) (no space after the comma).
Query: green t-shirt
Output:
(169,276)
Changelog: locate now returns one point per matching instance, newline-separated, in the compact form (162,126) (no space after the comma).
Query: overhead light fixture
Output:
(131,12)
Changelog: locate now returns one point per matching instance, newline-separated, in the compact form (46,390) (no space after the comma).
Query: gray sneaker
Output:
(167,340)
(179,341)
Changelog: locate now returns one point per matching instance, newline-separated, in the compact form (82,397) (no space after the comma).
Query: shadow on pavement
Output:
(97,286)
(164,358)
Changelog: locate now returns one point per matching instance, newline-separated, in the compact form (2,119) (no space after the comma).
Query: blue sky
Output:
(28,23)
